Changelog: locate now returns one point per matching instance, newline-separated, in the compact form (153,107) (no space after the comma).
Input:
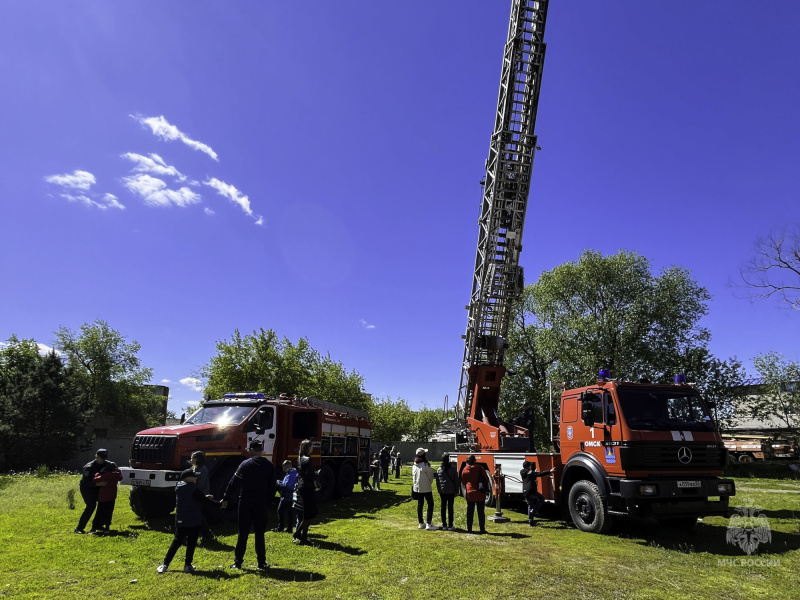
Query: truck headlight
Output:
(648,490)
(725,488)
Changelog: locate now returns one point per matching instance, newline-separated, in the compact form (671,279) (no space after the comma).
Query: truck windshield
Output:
(664,409)
(220,415)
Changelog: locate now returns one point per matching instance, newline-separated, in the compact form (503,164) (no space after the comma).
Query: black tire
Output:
(346,481)
(490,499)
(587,507)
(327,480)
(681,523)
(151,504)
(745,458)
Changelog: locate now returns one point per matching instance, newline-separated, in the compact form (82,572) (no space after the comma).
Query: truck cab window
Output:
(266,417)
(305,425)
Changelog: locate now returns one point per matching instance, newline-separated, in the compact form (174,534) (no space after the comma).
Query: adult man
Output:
(530,488)
(385,458)
(90,488)
(254,481)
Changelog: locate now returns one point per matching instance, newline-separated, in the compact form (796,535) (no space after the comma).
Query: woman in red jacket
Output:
(472,474)
(106,482)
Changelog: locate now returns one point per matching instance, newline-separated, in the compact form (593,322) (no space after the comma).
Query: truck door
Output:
(264,417)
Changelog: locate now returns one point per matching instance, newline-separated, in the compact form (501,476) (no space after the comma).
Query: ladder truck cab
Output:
(223,428)
(632,449)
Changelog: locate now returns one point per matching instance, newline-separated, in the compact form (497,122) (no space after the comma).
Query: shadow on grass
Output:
(363,504)
(319,541)
(702,538)
(277,573)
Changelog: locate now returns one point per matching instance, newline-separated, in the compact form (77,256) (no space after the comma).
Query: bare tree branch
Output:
(774,270)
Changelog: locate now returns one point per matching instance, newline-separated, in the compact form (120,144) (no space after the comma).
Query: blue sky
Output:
(182,169)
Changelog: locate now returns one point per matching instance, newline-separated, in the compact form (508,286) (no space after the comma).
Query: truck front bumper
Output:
(685,496)
(149,478)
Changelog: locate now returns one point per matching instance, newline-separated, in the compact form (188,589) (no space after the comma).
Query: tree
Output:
(389,420)
(775,268)
(603,312)
(263,362)
(108,369)
(779,396)
(41,407)
(424,423)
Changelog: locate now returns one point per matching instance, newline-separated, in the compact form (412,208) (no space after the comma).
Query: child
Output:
(375,472)
(106,481)
(189,501)
(286,488)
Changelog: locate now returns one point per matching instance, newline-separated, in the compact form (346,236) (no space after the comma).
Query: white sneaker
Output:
(162,569)
(188,568)
(422,525)
(431,527)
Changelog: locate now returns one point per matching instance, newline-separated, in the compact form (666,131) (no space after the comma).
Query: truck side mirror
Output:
(257,425)
(183,418)
(587,415)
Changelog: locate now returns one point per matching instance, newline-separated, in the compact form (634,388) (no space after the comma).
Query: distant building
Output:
(743,422)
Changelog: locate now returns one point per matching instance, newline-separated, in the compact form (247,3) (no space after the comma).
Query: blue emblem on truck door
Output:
(611,458)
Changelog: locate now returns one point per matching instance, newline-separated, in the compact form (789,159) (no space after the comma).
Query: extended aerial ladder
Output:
(498,279)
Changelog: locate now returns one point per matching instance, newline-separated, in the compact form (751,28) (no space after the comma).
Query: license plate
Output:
(140,482)
(688,484)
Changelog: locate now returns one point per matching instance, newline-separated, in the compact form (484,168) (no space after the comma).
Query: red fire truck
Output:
(223,428)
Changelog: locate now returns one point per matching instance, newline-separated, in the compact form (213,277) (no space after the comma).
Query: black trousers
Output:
(447,509)
(102,518)
(535,502)
(90,499)
(481,516)
(421,499)
(190,534)
(252,513)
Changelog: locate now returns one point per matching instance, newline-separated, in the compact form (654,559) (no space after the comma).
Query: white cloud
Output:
(193,383)
(153,164)
(111,201)
(78,180)
(260,221)
(161,128)
(365,324)
(45,350)
(155,192)
(208,211)
(234,195)
(166,381)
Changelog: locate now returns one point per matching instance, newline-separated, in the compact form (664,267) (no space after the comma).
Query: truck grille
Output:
(665,455)
(154,448)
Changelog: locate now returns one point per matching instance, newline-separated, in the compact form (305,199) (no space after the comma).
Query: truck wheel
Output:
(327,480)
(151,504)
(588,508)
(347,480)
(745,458)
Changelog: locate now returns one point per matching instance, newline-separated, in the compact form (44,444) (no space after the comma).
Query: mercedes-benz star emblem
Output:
(684,455)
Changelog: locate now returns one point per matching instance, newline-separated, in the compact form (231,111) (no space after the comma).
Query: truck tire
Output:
(347,480)
(745,458)
(327,480)
(587,507)
(151,504)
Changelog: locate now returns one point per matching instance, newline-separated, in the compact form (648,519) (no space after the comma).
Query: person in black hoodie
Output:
(530,488)
(305,495)
(189,502)
(254,481)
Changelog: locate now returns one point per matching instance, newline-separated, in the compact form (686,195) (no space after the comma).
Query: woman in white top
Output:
(422,489)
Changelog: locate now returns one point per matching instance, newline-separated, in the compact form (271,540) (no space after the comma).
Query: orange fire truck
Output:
(625,448)
(223,428)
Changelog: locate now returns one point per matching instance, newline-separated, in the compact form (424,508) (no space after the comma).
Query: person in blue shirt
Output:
(286,489)
(189,501)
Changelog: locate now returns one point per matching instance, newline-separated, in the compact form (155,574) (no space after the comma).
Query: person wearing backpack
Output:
(474,478)
(447,483)
(421,489)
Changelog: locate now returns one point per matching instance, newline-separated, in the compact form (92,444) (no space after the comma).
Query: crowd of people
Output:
(255,482)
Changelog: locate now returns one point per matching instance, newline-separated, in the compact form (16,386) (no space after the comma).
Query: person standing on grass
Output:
(392,459)
(106,479)
(305,493)
(385,459)
(375,472)
(254,481)
(286,489)
(198,460)
(89,489)
(423,477)
(397,464)
(189,503)
(447,484)
(530,489)
(474,477)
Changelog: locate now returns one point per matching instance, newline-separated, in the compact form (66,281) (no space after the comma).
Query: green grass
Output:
(368,546)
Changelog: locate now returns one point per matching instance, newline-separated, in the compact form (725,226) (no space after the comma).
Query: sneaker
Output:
(263,566)
(422,526)
(187,568)
(451,528)
(97,532)
(162,569)
(431,527)
(296,540)
(236,566)
(79,530)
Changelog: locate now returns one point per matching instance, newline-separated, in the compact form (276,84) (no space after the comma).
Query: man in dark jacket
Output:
(89,489)
(385,458)
(530,489)
(254,481)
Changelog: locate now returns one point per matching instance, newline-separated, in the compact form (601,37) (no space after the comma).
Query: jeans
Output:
(421,499)
(481,516)
(447,509)
(190,534)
